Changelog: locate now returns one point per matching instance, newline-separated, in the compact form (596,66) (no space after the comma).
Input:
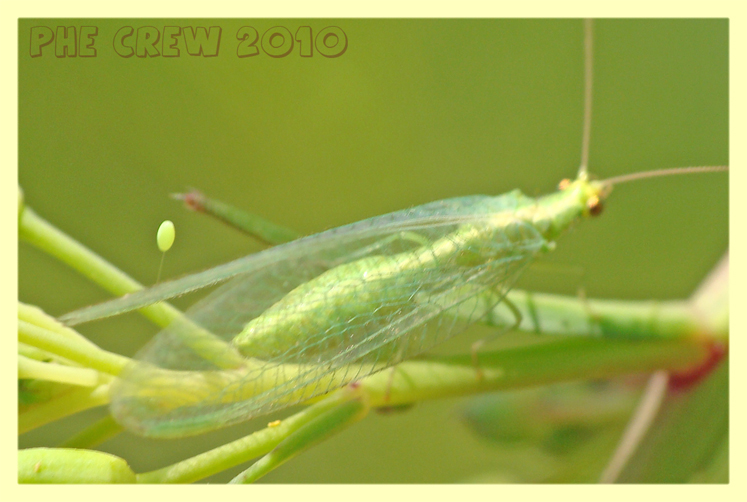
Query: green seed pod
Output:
(68,465)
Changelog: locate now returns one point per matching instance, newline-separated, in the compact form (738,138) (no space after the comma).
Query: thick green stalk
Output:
(559,360)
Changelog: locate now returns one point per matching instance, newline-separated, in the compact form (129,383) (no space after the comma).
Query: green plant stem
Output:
(88,355)
(95,434)
(252,224)
(526,366)
(36,316)
(320,428)
(62,406)
(242,450)
(549,314)
(710,301)
(32,369)
(42,355)
(543,363)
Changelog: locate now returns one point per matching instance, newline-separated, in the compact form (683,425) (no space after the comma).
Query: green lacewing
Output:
(306,317)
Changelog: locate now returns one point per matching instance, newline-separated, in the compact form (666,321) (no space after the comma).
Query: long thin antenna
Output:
(664,172)
(588,85)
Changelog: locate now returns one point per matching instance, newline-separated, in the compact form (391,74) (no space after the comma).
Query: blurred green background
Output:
(413,111)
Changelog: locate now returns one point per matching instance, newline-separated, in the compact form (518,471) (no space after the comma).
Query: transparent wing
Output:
(326,249)
(391,312)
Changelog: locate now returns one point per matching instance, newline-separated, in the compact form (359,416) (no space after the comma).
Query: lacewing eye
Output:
(595,206)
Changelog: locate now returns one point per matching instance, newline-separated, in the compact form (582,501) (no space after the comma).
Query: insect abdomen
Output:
(368,305)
